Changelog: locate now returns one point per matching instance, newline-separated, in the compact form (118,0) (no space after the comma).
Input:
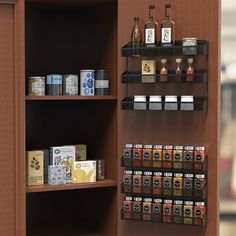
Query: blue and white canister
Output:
(54,85)
(87,82)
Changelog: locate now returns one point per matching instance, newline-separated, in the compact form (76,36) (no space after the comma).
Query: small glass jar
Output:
(189,46)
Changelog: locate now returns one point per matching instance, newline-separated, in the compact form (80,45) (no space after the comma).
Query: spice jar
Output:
(178,184)
(137,182)
(188,185)
(36,85)
(147,155)
(188,212)
(189,46)
(199,158)
(178,212)
(199,186)
(127,155)
(127,181)
(157,156)
(178,157)
(199,212)
(167,157)
(157,183)
(101,83)
(147,209)
(127,208)
(167,184)
(137,155)
(157,210)
(137,208)
(188,157)
(147,183)
(167,211)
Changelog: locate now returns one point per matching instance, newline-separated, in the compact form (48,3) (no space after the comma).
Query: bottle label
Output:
(149,36)
(166,35)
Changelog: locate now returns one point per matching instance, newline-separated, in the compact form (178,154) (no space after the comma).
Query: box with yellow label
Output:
(84,172)
(35,170)
(148,71)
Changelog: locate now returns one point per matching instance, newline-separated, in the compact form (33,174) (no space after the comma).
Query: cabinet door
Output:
(11,126)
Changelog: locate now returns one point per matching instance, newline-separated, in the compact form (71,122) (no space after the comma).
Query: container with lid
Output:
(87,82)
(171,102)
(178,212)
(188,212)
(140,102)
(101,83)
(147,209)
(188,157)
(147,155)
(157,210)
(190,46)
(137,155)
(167,211)
(187,103)
(36,85)
(155,102)
(127,155)
(127,208)
(157,156)
(199,158)
(70,85)
(167,157)
(178,157)
(54,85)
(137,208)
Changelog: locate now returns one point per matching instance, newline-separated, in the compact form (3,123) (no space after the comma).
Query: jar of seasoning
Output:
(147,209)
(147,156)
(147,182)
(188,157)
(127,155)
(178,184)
(157,183)
(127,208)
(167,211)
(199,213)
(199,186)
(36,86)
(157,210)
(178,157)
(188,212)
(137,155)
(178,212)
(167,184)
(189,46)
(199,158)
(101,83)
(137,182)
(137,208)
(157,156)
(127,181)
(188,185)
(54,85)
(168,157)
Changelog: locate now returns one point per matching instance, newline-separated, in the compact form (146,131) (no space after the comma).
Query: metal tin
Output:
(87,82)
(54,85)
(189,46)
(36,85)
(70,85)
(101,83)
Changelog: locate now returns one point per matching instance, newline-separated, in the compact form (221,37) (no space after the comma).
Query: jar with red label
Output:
(199,158)
(147,182)
(147,155)
(199,213)
(137,155)
(167,157)
(137,208)
(127,208)
(157,183)
(167,211)
(137,182)
(147,209)
(157,210)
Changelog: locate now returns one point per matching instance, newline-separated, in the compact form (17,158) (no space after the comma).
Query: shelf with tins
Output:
(48,188)
(84,98)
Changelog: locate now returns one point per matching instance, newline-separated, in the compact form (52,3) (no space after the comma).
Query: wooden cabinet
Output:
(40,37)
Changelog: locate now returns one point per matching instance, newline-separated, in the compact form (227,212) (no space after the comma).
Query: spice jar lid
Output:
(178,147)
(170,98)
(36,77)
(155,98)
(128,145)
(138,145)
(157,146)
(178,202)
(178,60)
(201,148)
(163,60)
(189,148)
(147,146)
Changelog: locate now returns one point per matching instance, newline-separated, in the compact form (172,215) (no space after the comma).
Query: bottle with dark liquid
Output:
(136,35)
(151,28)
(190,70)
(167,28)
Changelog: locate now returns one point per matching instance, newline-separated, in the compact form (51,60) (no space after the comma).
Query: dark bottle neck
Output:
(167,12)
(136,21)
(151,13)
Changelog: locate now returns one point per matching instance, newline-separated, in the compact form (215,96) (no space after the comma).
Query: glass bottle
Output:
(163,71)
(136,35)
(167,28)
(178,71)
(190,70)
(151,28)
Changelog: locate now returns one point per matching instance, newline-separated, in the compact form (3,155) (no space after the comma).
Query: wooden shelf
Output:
(84,98)
(49,188)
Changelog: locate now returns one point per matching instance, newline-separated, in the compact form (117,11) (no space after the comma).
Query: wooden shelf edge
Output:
(85,98)
(49,188)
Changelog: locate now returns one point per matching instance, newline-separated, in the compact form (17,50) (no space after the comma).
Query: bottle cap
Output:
(178,60)
(163,60)
(151,7)
(168,5)
(190,60)
(136,18)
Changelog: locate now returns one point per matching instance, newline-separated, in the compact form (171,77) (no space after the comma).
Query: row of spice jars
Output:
(164,183)
(166,157)
(164,210)
(181,73)
(91,83)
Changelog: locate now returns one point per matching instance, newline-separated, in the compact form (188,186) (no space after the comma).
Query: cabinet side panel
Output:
(193,19)
(7,121)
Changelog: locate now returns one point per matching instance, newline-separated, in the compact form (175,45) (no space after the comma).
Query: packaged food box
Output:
(56,175)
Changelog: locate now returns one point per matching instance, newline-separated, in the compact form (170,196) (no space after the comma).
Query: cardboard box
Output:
(46,160)
(80,152)
(65,156)
(56,175)
(35,173)
(84,172)
(148,71)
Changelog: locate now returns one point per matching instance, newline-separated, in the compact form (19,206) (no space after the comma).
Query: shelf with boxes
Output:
(165,173)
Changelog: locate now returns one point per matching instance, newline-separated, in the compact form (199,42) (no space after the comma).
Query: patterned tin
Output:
(87,82)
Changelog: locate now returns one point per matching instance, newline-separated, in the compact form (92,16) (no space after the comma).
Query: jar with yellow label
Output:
(36,85)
